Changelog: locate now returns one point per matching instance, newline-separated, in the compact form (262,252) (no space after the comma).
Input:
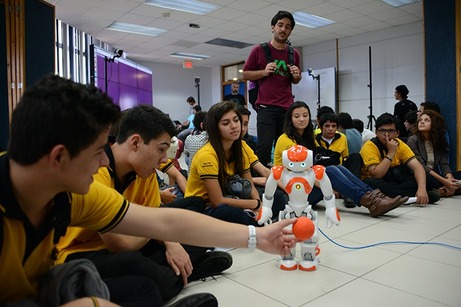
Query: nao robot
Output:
(298,176)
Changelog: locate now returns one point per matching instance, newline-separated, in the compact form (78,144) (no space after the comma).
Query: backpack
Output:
(254,85)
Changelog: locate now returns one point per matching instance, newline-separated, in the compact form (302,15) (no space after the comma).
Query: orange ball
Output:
(303,228)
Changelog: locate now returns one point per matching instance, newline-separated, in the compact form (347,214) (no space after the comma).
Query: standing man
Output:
(402,107)
(235,95)
(275,79)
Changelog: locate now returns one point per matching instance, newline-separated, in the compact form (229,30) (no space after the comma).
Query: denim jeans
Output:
(270,127)
(347,183)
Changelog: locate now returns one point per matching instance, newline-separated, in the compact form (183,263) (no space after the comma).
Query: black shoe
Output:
(212,263)
(197,300)
(434,196)
(349,203)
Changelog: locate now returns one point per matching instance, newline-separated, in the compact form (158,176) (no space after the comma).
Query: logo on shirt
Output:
(282,68)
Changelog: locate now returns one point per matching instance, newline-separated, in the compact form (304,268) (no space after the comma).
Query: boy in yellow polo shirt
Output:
(46,184)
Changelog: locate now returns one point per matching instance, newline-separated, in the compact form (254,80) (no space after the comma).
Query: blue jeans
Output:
(347,183)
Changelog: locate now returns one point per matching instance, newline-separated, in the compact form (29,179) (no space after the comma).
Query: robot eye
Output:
(303,164)
(291,164)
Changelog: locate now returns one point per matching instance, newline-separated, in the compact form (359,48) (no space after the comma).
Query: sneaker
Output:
(212,263)
(197,300)
(434,196)
(349,203)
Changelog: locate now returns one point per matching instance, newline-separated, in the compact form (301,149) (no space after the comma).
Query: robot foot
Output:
(287,265)
(308,265)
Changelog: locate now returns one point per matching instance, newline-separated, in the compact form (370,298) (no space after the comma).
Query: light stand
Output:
(310,71)
(371,117)
(197,85)
(118,53)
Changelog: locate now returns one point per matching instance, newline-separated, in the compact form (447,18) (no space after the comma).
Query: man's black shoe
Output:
(212,263)
(197,300)
(349,203)
(434,196)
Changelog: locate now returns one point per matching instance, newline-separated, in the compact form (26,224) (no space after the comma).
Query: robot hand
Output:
(265,212)
(332,216)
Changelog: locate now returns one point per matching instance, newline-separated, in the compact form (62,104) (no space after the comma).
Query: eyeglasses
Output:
(388,131)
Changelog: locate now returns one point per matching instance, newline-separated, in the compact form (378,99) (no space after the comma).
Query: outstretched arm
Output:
(189,227)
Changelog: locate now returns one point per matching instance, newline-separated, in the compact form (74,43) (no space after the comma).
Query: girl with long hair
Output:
(429,143)
(219,160)
(298,130)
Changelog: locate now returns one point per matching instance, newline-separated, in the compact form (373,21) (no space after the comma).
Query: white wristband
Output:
(251,238)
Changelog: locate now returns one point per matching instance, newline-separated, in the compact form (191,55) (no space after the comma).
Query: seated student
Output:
(47,183)
(260,173)
(197,139)
(331,139)
(298,130)
(411,123)
(217,162)
(142,132)
(367,134)
(353,136)
(189,124)
(431,149)
(391,166)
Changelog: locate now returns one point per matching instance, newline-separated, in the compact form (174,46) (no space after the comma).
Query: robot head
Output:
(297,158)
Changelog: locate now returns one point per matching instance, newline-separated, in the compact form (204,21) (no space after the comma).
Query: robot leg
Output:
(310,250)
(287,262)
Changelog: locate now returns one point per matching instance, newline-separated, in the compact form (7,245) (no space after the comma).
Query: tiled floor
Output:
(394,275)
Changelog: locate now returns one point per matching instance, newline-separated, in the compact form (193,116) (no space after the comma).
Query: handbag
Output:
(326,157)
(237,187)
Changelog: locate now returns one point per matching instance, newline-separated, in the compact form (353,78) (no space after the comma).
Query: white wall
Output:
(172,85)
(397,58)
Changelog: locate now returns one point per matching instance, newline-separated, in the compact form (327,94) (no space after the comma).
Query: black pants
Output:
(354,164)
(393,184)
(149,263)
(269,126)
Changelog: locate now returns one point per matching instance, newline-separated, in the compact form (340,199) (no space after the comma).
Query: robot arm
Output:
(331,212)
(265,212)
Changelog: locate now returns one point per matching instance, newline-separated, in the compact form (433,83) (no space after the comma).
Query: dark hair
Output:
(197,108)
(190,99)
(437,135)
(243,110)
(345,120)
(147,121)
(58,111)
(331,117)
(324,110)
(214,116)
(429,105)
(358,124)
(281,15)
(199,118)
(402,90)
(386,119)
(307,138)
(411,117)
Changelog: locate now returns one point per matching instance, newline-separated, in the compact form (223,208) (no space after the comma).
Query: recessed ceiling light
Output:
(189,6)
(189,56)
(311,21)
(136,29)
(397,3)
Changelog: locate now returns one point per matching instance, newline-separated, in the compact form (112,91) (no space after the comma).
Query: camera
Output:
(197,79)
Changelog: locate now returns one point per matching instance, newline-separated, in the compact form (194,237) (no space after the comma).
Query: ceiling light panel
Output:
(135,29)
(189,6)
(398,3)
(311,21)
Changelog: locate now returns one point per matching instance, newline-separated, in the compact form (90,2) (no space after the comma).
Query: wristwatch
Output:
(251,238)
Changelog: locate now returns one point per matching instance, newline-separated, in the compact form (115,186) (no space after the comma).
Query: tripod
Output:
(370,117)
(318,85)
